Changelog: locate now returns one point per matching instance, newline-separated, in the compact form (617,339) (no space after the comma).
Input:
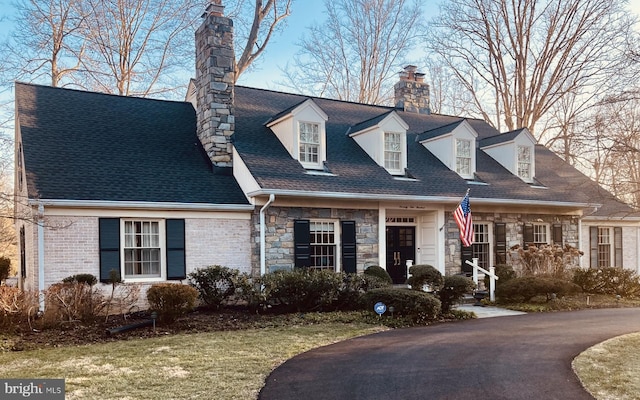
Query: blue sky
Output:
(266,71)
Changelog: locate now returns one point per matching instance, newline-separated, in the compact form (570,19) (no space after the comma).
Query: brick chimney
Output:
(215,76)
(411,92)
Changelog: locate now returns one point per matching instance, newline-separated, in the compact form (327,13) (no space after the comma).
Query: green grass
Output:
(221,365)
(611,370)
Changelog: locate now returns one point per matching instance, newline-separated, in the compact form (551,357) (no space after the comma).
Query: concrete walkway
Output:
(521,357)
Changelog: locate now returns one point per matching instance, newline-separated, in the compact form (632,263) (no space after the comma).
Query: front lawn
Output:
(220,365)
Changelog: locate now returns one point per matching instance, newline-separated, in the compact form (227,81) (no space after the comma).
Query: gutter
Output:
(141,205)
(263,256)
(40,224)
(421,199)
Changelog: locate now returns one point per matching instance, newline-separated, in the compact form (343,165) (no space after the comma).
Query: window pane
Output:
(323,245)
(540,234)
(524,162)
(463,157)
(142,249)
(604,247)
(309,142)
(480,246)
(392,150)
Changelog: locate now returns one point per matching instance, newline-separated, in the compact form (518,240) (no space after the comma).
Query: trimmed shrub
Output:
(380,273)
(171,300)
(81,278)
(615,281)
(419,306)
(5,268)
(423,274)
(301,289)
(216,284)
(527,287)
(453,289)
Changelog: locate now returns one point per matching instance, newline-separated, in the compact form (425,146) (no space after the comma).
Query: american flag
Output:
(462,215)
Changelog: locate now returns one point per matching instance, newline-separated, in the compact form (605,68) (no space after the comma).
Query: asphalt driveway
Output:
(516,357)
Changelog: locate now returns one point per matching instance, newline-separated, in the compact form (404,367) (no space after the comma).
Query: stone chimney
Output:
(215,76)
(411,92)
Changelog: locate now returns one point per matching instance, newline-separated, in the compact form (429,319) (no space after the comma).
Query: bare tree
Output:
(254,25)
(138,47)
(354,53)
(47,46)
(519,59)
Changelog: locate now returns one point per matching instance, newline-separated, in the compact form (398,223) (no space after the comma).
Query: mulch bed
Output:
(80,333)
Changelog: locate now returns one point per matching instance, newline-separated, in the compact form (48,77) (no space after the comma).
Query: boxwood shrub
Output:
(424,274)
(615,280)
(171,300)
(419,306)
(453,289)
(379,272)
(216,284)
(527,287)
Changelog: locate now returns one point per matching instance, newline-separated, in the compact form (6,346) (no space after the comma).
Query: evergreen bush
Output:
(453,289)
(419,306)
(379,272)
(217,284)
(527,287)
(171,300)
(423,274)
(614,281)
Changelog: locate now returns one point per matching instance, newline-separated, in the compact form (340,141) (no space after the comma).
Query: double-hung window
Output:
(309,143)
(142,249)
(392,151)
(481,245)
(604,247)
(463,157)
(524,162)
(540,234)
(323,244)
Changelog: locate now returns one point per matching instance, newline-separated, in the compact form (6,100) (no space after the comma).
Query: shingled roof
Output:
(356,174)
(89,146)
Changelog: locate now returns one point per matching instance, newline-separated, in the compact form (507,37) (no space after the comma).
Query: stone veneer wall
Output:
(514,227)
(279,234)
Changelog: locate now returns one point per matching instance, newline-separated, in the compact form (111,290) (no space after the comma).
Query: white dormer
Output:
(515,151)
(454,145)
(384,138)
(302,132)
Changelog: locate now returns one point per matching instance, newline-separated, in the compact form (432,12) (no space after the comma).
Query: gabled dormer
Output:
(454,145)
(515,151)
(384,138)
(301,129)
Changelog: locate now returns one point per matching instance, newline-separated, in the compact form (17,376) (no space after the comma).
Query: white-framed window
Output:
(393,151)
(463,157)
(524,162)
(143,248)
(604,247)
(481,247)
(540,234)
(323,241)
(309,152)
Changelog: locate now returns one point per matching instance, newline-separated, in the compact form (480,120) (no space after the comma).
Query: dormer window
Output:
(524,162)
(463,157)
(384,138)
(309,143)
(515,151)
(302,131)
(393,151)
(455,145)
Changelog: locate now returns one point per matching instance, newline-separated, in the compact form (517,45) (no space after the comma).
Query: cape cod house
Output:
(261,180)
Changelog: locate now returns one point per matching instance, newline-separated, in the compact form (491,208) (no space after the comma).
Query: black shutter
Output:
(617,241)
(501,243)
(109,239)
(302,243)
(176,260)
(527,235)
(557,234)
(466,254)
(23,254)
(593,246)
(349,247)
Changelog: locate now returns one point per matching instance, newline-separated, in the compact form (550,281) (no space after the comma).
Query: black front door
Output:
(401,246)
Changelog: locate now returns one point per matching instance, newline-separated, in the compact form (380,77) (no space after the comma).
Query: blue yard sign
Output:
(380,308)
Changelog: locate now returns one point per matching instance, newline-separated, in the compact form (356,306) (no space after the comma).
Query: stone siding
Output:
(279,243)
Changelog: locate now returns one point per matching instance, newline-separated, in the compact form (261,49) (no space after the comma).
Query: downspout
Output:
(40,224)
(263,245)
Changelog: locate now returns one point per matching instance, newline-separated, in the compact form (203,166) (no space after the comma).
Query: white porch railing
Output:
(492,277)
